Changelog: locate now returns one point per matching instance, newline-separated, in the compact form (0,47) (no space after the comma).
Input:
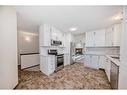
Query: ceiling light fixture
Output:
(118,17)
(73,29)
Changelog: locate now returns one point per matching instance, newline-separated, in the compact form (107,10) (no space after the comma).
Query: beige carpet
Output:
(75,76)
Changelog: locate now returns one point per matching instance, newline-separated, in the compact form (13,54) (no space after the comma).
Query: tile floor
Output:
(75,76)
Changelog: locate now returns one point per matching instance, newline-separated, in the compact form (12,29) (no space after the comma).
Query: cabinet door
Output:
(89,39)
(102,62)
(109,36)
(53,33)
(122,77)
(47,35)
(100,38)
(63,39)
(95,62)
(107,68)
(117,34)
(51,64)
(87,60)
(59,35)
(43,64)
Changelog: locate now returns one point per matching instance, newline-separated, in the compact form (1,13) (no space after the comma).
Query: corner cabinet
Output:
(91,61)
(113,35)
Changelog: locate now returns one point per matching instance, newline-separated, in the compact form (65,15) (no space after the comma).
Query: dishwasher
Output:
(114,75)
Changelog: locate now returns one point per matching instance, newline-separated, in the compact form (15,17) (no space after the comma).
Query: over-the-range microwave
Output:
(56,43)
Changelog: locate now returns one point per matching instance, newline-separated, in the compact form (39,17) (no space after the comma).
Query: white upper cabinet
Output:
(117,34)
(48,33)
(113,35)
(100,38)
(54,33)
(45,35)
(95,38)
(89,39)
(110,36)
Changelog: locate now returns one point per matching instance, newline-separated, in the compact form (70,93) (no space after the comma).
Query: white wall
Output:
(8,48)
(123,53)
(28,42)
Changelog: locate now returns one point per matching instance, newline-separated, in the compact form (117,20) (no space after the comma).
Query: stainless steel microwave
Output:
(56,43)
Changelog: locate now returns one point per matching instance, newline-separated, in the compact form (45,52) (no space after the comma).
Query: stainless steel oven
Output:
(59,62)
(52,51)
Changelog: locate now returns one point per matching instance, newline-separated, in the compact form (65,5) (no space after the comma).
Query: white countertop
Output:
(116,61)
(94,54)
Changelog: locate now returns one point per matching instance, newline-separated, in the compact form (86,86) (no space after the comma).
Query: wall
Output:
(28,42)
(104,50)
(8,48)
(123,53)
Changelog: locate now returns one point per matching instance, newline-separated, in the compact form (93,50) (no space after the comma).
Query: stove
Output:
(59,62)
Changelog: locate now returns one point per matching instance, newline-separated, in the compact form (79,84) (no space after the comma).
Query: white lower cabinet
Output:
(87,61)
(123,77)
(91,61)
(98,61)
(47,64)
(107,68)
(95,61)
(102,61)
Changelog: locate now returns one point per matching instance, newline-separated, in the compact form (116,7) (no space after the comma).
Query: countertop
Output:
(116,61)
(109,56)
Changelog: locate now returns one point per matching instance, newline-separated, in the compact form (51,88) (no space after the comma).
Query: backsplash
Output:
(104,50)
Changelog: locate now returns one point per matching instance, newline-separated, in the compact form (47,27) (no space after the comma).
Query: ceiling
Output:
(85,18)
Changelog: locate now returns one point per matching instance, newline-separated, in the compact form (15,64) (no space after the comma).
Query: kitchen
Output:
(71,55)
(95,56)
